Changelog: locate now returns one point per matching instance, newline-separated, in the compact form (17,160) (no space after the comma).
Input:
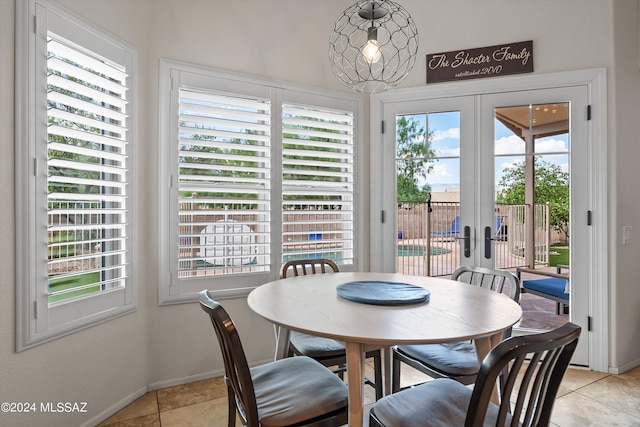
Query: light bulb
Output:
(371,51)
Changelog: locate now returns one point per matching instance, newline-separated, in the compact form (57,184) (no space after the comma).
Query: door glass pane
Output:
(551,122)
(509,124)
(428,193)
(532,200)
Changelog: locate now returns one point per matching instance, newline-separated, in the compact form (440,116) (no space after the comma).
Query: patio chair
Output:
(554,287)
(499,232)
(452,232)
(457,360)
(532,367)
(327,351)
(289,392)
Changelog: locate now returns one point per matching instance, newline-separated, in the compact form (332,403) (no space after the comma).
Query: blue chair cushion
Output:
(551,286)
(437,403)
(456,358)
(316,347)
(295,389)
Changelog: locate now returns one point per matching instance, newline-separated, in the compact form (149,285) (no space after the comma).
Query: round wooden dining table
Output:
(454,311)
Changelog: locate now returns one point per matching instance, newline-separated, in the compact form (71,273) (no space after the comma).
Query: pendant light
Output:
(373,45)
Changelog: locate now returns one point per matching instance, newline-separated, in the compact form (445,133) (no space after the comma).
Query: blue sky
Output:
(508,149)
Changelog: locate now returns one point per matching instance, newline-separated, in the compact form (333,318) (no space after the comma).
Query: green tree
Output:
(412,153)
(551,185)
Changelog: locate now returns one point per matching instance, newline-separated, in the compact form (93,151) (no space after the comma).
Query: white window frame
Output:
(37,319)
(176,75)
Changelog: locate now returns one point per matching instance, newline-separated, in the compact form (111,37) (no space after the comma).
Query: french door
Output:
(477,150)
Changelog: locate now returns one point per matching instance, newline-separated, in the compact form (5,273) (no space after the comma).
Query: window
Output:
(252,175)
(317,184)
(74,135)
(223,184)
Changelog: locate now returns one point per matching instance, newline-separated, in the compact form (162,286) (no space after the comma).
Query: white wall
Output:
(625,156)
(285,40)
(101,365)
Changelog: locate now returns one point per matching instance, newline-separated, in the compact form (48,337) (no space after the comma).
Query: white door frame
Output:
(595,80)
(581,191)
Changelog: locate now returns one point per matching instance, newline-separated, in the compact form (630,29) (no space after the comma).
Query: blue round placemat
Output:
(382,293)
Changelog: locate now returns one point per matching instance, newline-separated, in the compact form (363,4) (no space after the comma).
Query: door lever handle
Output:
(466,241)
(487,242)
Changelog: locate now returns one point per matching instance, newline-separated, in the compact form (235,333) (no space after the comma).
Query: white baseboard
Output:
(185,380)
(193,378)
(624,368)
(127,400)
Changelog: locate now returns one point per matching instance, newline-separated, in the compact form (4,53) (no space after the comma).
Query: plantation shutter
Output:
(317,180)
(87,171)
(224,184)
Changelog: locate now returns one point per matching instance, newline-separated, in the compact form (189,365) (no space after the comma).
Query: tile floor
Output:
(585,399)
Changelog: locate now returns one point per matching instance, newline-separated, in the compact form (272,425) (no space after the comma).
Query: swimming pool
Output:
(412,250)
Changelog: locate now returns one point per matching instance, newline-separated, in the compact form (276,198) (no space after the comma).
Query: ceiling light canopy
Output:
(373,45)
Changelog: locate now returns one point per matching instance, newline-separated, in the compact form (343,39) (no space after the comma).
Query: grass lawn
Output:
(60,284)
(559,255)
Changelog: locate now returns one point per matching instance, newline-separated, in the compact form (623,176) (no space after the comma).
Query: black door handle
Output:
(487,242)
(466,241)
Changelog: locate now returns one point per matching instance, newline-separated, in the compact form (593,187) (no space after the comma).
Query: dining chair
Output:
(302,267)
(457,360)
(327,351)
(532,366)
(290,392)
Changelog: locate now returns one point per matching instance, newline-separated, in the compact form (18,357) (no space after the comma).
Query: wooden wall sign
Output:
(491,61)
